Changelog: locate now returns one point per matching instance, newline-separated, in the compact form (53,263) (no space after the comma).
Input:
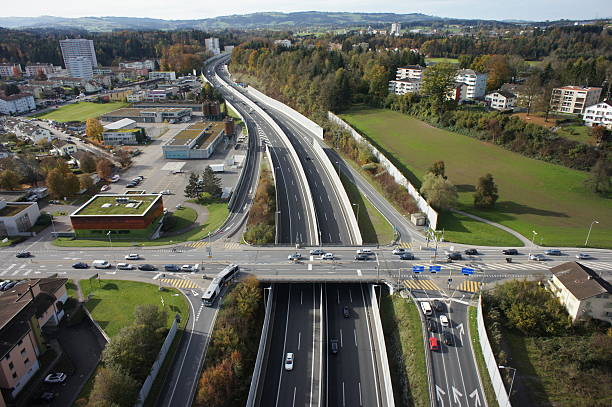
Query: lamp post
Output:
(356,204)
(532,239)
(589,234)
(513,374)
(109,239)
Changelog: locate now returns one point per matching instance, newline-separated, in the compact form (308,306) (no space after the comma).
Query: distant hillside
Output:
(269,20)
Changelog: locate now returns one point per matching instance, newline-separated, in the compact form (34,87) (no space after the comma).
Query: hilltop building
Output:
(573,99)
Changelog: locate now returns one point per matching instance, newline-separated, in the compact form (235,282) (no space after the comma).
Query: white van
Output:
(101,264)
(426,307)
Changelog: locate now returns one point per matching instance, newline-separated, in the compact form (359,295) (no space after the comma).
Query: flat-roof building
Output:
(197,141)
(149,115)
(17,218)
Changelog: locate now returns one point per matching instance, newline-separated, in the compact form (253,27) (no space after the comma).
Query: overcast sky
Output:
(196,9)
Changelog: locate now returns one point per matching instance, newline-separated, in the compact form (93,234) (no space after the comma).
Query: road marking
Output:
(27,272)
(457,395)
(4,272)
(343,399)
(158,275)
(294,390)
(476,396)
(338,293)
(309,266)
(439,394)
(280,379)
(359,273)
(355,335)
(15,272)
(301,297)
(341,340)
(360,402)
(299,339)
(350,295)
(10,267)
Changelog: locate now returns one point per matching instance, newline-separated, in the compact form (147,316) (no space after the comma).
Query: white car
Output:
(443,320)
(583,256)
(125,266)
(105,188)
(399,250)
(55,378)
(189,267)
(367,252)
(327,256)
(132,256)
(317,252)
(289,361)
(294,257)
(166,192)
(537,257)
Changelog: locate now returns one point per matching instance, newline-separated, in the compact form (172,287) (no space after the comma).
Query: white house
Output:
(409,72)
(16,218)
(62,148)
(403,86)
(165,75)
(599,115)
(581,291)
(15,104)
(476,82)
(501,100)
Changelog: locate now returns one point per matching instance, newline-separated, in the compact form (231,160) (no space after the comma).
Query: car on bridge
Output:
(537,257)
(147,267)
(294,257)
(80,265)
(553,252)
(289,361)
(361,256)
(317,252)
(328,256)
(510,252)
(334,346)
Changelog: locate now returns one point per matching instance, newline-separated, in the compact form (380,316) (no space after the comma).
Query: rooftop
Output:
(184,137)
(579,88)
(132,111)
(119,124)
(12,209)
(580,280)
(104,205)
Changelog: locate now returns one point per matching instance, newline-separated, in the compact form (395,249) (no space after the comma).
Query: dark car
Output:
(510,252)
(447,337)
(346,312)
(471,252)
(22,255)
(171,267)
(334,346)
(44,399)
(131,185)
(438,305)
(432,326)
(361,256)
(454,256)
(80,265)
(406,256)
(147,267)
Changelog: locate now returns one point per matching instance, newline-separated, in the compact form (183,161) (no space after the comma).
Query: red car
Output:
(434,343)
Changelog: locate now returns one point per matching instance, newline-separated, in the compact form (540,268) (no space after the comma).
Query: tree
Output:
(131,350)
(113,387)
(10,89)
(439,192)
(151,317)
(438,169)
(211,183)
(9,180)
(87,163)
(85,182)
(192,189)
(599,178)
(530,91)
(124,158)
(104,168)
(438,81)
(55,183)
(94,129)
(486,192)
(600,135)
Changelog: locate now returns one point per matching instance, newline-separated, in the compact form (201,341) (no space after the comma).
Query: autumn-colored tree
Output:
(486,192)
(85,181)
(55,183)
(439,192)
(438,169)
(438,81)
(600,135)
(217,384)
(9,180)
(113,387)
(87,163)
(104,168)
(94,129)
(72,184)
(248,297)
(124,158)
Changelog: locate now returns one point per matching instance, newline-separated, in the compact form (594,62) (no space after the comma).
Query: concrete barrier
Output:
(390,401)
(301,174)
(275,192)
(261,351)
(300,118)
(241,179)
(432,215)
(492,367)
(317,131)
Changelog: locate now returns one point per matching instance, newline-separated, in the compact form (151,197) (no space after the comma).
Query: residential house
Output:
(16,104)
(33,132)
(501,100)
(581,291)
(573,99)
(283,43)
(8,70)
(146,64)
(403,86)
(599,115)
(476,83)
(410,72)
(25,311)
(62,148)
(459,92)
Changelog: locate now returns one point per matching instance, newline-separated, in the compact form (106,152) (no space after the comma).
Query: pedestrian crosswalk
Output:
(198,244)
(421,285)
(232,246)
(179,282)
(205,243)
(470,286)
(405,245)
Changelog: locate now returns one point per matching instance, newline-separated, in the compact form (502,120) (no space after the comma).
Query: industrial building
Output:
(149,115)
(198,141)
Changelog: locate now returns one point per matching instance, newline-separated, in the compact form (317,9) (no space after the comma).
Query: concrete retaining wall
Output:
(285,139)
(261,352)
(386,382)
(241,179)
(432,215)
(489,357)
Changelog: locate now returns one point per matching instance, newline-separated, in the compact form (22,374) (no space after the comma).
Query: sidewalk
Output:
(522,238)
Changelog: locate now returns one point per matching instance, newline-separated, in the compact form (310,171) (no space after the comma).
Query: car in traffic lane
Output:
(434,343)
(537,257)
(80,265)
(289,361)
(510,252)
(125,266)
(147,267)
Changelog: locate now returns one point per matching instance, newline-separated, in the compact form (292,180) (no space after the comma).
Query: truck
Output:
(217,167)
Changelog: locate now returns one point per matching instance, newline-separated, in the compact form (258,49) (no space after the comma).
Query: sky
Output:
(196,9)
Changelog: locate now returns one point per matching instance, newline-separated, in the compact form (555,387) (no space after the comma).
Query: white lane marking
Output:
(10,267)
(280,380)
(338,292)
(4,272)
(158,275)
(351,295)
(355,335)
(15,272)
(367,318)
(299,339)
(301,297)
(360,401)
(359,273)
(310,267)
(22,266)
(294,390)
(299,217)
(27,272)
(341,340)
(343,399)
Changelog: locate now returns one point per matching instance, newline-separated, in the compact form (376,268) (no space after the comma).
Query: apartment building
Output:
(283,43)
(573,99)
(146,64)
(121,132)
(403,86)
(36,69)
(599,115)
(78,47)
(396,29)
(165,75)
(582,291)
(212,45)
(80,67)
(24,311)
(16,104)
(8,70)
(476,83)
(501,100)
(410,72)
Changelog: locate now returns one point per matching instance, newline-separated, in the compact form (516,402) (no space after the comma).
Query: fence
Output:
(432,215)
(146,387)
(263,340)
(498,384)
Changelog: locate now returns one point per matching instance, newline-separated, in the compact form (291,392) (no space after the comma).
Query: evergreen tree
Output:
(211,183)
(192,189)
(486,192)
(438,169)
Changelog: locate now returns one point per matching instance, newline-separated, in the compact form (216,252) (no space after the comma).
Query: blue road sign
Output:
(435,269)
(418,269)
(467,271)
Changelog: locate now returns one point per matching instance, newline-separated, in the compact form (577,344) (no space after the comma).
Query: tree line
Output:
(261,224)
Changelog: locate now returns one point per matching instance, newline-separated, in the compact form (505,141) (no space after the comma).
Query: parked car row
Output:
(8,284)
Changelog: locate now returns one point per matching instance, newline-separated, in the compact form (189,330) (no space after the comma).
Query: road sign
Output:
(467,271)
(418,269)
(435,269)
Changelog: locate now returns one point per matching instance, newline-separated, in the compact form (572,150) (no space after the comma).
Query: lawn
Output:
(217,213)
(113,302)
(373,225)
(107,205)
(438,60)
(81,111)
(578,133)
(534,195)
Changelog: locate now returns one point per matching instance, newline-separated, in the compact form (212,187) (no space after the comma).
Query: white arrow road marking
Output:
(461,329)
(474,395)
(10,267)
(457,395)
(158,275)
(439,394)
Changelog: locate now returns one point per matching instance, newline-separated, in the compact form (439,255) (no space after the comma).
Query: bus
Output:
(214,289)
(426,307)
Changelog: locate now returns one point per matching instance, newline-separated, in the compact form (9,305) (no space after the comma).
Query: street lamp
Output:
(589,234)
(513,374)
(532,239)
(356,204)
(109,239)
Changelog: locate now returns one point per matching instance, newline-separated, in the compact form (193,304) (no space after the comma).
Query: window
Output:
(26,361)
(23,351)
(20,342)
(11,365)
(14,375)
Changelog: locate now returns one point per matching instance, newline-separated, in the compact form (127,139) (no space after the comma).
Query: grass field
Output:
(578,133)
(373,226)
(534,195)
(438,60)
(113,302)
(81,111)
